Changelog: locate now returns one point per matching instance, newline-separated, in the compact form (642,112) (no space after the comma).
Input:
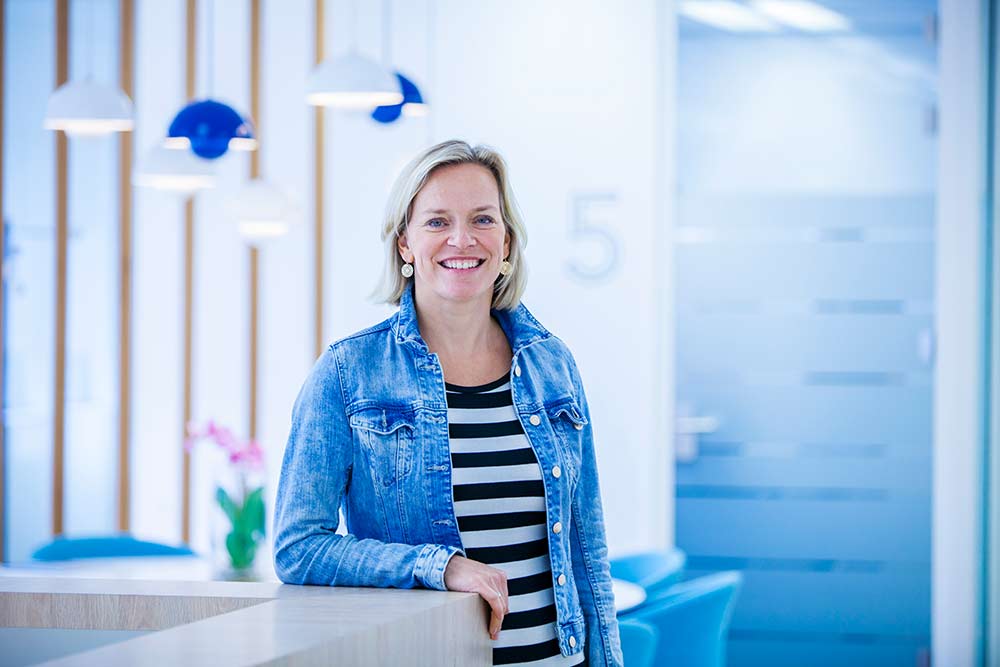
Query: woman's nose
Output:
(461,236)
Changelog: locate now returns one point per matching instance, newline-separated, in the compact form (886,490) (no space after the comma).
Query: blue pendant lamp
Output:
(210,128)
(412,105)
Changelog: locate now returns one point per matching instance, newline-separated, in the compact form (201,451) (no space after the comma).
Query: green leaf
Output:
(241,549)
(252,516)
(227,505)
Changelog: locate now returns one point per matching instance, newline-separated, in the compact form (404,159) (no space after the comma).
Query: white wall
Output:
(571,93)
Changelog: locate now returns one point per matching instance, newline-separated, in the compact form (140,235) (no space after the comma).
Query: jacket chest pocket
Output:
(568,423)
(386,436)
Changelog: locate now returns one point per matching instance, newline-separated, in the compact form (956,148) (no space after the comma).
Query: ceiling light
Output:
(210,128)
(180,171)
(803,15)
(352,82)
(727,16)
(88,108)
(261,210)
(413,104)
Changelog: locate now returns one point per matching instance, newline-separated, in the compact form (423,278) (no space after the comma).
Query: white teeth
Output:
(461,264)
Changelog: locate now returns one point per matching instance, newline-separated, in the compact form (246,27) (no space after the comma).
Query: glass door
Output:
(804,342)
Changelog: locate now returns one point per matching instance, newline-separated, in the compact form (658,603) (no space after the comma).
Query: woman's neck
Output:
(456,329)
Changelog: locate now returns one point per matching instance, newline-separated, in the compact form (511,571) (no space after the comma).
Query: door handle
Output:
(687,428)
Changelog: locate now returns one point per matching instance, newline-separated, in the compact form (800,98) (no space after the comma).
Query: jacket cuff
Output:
(431,563)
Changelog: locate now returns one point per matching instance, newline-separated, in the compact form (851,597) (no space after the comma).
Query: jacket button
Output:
(535,420)
(572,641)
(561,580)
(517,370)
(578,427)
(556,472)
(557,527)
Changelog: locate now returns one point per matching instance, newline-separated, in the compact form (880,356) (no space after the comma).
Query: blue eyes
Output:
(482,220)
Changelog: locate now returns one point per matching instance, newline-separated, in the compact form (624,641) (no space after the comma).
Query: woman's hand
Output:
(471,576)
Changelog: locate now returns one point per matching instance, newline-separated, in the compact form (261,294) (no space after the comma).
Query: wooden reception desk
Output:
(194,623)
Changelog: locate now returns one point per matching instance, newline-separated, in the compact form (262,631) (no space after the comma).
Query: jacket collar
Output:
(520,326)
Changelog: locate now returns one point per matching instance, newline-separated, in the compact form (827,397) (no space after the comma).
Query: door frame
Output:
(960,388)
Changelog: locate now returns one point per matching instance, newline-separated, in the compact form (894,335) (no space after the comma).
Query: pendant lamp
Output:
(210,128)
(261,210)
(178,171)
(412,104)
(352,82)
(88,108)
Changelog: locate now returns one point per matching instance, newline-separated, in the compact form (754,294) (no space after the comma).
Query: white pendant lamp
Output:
(178,171)
(261,210)
(352,82)
(88,108)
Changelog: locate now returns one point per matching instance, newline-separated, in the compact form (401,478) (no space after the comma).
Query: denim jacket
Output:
(369,434)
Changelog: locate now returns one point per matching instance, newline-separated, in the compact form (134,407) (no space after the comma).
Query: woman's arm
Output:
(589,551)
(314,478)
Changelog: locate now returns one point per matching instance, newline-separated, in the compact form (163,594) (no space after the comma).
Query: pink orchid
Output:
(248,453)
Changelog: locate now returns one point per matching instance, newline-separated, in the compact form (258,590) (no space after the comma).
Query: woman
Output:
(455,435)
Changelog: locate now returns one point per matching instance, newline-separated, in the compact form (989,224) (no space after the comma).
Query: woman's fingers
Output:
(500,602)
(463,574)
(496,618)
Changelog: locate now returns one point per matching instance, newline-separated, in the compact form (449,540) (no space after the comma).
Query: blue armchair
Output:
(638,642)
(692,619)
(655,571)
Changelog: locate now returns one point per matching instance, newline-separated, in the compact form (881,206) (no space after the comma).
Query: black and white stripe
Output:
(500,506)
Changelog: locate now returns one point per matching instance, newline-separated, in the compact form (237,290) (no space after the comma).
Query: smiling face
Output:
(455,238)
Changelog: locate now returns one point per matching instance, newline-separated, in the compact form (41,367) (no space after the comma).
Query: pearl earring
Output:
(505,267)
(406,270)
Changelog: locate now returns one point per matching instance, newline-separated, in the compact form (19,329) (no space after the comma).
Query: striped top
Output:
(500,506)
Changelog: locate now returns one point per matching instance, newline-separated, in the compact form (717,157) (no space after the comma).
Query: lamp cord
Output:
(209,49)
(354,26)
(91,58)
(387,34)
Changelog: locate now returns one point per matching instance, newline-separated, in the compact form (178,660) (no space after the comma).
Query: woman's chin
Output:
(461,292)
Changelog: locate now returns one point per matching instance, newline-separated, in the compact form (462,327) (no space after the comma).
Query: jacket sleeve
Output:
(315,475)
(589,551)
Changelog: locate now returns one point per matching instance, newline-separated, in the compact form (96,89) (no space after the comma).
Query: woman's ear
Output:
(404,247)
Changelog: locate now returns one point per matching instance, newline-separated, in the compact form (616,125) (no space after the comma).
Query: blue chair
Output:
(655,571)
(113,546)
(638,643)
(692,619)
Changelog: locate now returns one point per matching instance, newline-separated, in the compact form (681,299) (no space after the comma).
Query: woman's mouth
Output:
(462,264)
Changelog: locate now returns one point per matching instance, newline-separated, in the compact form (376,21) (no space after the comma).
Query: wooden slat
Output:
(191,36)
(126,12)
(62,211)
(318,176)
(255,83)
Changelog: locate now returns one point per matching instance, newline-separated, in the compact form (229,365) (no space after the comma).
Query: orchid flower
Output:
(247,453)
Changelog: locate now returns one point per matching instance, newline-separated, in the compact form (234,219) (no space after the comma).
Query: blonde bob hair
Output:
(507,289)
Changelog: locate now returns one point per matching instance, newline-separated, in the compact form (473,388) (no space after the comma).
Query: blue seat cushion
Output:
(113,546)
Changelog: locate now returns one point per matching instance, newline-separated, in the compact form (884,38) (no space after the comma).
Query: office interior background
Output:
(769,245)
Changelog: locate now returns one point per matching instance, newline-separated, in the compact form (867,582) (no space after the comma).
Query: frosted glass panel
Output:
(805,246)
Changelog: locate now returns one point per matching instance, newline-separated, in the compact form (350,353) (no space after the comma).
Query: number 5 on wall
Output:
(590,216)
